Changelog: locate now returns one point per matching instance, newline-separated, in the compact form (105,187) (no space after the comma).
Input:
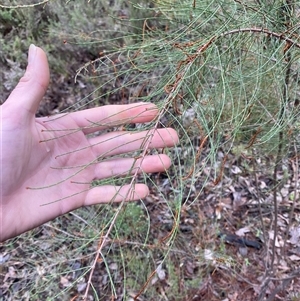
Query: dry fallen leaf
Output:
(64,281)
(241,232)
(295,236)
(294,258)
(161,273)
(277,242)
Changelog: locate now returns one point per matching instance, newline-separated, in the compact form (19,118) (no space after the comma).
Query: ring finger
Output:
(116,143)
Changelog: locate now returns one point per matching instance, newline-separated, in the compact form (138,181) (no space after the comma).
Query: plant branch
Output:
(295,167)
(105,239)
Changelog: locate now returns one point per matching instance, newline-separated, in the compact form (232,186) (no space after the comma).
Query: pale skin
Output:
(47,164)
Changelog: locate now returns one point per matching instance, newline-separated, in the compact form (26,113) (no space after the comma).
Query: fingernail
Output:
(31,53)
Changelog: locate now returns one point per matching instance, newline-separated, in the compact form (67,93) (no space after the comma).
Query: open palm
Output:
(47,164)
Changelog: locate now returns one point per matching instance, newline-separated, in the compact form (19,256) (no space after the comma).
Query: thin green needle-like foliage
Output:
(224,74)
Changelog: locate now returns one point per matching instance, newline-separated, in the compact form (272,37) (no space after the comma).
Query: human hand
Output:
(47,164)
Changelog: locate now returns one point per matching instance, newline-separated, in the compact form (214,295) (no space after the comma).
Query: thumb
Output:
(32,86)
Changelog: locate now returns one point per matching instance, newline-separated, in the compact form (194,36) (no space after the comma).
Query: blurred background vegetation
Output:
(225,75)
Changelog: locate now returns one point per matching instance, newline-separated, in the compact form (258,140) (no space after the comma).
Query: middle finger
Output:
(115,143)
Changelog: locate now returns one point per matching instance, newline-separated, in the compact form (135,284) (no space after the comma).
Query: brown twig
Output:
(261,30)
(162,240)
(285,282)
(259,196)
(104,239)
(219,178)
(254,137)
(288,58)
(295,167)
(197,156)
(144,286)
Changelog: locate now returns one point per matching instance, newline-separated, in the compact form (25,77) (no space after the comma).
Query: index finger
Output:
(96,119)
